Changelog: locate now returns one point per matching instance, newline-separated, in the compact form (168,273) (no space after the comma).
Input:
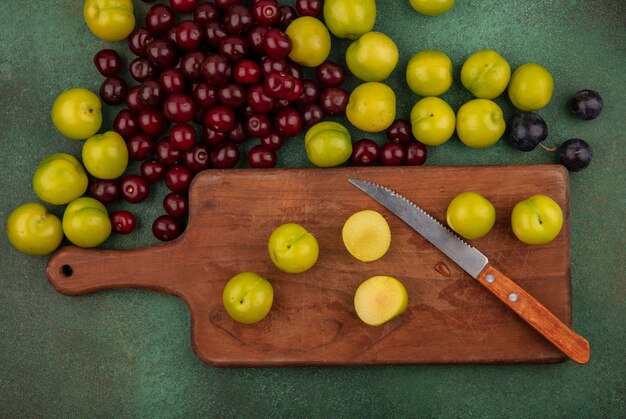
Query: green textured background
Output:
(127,353)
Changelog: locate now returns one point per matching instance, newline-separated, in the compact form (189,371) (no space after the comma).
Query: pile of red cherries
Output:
(225,69)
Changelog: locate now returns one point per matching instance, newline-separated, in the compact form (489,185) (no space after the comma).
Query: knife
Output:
(477,265)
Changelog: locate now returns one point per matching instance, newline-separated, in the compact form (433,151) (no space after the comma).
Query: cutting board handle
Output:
(75,271)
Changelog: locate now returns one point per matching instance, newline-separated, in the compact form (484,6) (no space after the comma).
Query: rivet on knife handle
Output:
(535,314)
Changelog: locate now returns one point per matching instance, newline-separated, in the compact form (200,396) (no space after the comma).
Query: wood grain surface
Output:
(450,317)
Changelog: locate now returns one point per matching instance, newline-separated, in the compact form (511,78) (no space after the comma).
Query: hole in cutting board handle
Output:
(67,271)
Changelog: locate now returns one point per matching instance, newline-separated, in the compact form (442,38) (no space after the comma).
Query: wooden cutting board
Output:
(450,317)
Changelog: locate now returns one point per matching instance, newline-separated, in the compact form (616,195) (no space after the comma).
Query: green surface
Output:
(127,353)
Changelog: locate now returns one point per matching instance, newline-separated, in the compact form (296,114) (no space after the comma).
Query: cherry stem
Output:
(551,149)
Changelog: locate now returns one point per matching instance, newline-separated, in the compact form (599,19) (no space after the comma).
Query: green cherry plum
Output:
(310,41)
(328,144)
(248,297)
(531,87)
(480,123)
(486,74)
(292,248)
(432,7)
(105,156)
(349,18)
(33,230)
(59,179)
(372,57)
(471,215)
(537,220)
(432,121)
(76,113)
(380,299)
(86,222)
(429,73)
(109,20)
(372,107)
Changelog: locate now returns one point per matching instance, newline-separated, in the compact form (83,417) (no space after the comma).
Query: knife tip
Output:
(361,184)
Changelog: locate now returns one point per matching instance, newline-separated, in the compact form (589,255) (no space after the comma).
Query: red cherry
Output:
(108,62)
(272,141)
(166,153)
(334,100)
(179,107)
(392,154)
(220,118)
(104,190)
(261,157)
(160,19)
(309,7)
(288,122)
(330,74)
(400,131)
(125,123)
(247,72)
(205,13)
(276,43)
(152,122)
(178,178)
(123,222)
(166,228)
(176,204)
(364,153)
(224,155)
(182,136)
(188,35)
(134,189)
(183,6)
(416,154)
(172,80)
(197,158)
(152,170)
(140,146)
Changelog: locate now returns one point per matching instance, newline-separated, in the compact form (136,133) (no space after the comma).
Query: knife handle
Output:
(535,314)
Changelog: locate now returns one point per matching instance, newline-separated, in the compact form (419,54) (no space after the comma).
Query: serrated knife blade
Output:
(467,257)
(477,265)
